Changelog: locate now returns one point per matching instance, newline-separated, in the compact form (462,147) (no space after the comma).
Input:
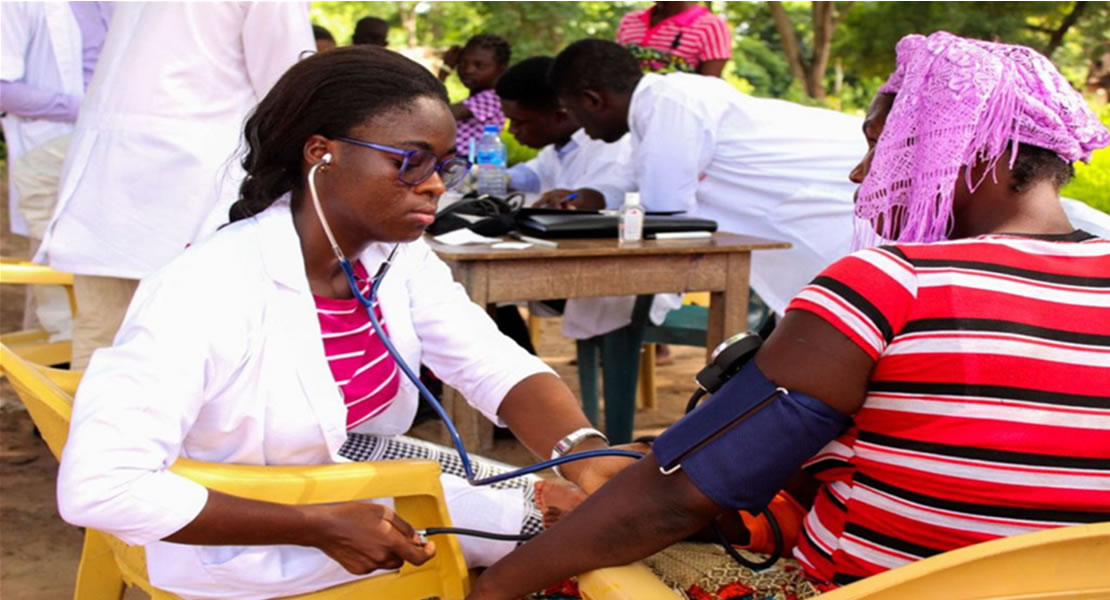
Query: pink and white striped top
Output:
(679,43)
(363,369)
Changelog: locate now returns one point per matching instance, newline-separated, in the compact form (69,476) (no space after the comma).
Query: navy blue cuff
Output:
(741,445)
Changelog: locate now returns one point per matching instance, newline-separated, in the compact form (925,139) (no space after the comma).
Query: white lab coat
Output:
(590,163)
(1087,218)
(757,166)
(151,166)
(220,358)
(40,44)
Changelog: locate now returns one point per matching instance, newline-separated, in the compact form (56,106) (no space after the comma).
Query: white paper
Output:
(463,236)
(511,245)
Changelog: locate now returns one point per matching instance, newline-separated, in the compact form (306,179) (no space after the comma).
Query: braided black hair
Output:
(329,94)
(502,51)
(1035,164)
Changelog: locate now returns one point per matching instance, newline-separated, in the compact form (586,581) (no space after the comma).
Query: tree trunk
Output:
(810,73)
(824,21)
(406,11)
(1058,35)
(790,45)
(1098,76)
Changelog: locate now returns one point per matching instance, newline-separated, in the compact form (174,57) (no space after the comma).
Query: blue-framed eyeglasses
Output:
(419,165)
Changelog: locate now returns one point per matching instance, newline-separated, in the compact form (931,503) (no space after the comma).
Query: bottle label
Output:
(631,224)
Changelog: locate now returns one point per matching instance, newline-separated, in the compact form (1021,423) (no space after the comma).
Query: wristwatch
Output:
(572,439)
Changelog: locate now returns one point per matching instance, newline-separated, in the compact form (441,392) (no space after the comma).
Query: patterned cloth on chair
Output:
(704,572)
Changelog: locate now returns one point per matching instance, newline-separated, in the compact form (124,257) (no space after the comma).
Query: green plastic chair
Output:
(619,352)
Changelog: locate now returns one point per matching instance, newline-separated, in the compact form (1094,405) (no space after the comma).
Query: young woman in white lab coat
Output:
(221,356)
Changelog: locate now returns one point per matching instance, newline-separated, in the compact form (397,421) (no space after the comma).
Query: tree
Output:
(1057,35)
(810,71)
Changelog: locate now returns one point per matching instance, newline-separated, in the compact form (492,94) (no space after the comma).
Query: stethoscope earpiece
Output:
(326,158)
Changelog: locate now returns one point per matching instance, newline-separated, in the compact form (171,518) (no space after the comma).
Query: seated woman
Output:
(250,348)
(970,355)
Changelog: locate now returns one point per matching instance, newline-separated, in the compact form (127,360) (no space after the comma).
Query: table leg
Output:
(728,309)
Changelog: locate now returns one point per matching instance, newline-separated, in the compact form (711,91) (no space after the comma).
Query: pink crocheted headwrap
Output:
(960,102)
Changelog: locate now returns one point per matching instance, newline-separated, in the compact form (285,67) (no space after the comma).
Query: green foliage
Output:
(762,67)
(531,27)
(1092,181)
(862,48)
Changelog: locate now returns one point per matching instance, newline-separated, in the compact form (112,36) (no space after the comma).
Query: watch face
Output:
(734,339)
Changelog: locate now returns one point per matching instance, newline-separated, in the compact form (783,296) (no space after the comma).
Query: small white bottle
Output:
(631,225)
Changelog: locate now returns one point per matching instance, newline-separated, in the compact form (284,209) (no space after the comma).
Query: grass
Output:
(1092,181)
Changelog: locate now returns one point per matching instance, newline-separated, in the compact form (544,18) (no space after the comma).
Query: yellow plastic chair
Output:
(108,565)
(1067,563)
(35,344)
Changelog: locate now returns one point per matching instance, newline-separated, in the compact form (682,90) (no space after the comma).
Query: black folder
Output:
(573,224)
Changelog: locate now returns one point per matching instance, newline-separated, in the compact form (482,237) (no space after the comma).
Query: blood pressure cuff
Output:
(741,445)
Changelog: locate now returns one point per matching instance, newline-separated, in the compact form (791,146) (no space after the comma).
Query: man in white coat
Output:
(162,119)
(570,162)
(757,166)
(48,51)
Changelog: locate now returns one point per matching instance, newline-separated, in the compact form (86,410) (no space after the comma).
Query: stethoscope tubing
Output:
(368,303)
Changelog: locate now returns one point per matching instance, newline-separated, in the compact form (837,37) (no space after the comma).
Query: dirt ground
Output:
(39,553)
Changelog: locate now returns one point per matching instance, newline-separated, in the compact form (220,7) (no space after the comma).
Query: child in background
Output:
(480,62)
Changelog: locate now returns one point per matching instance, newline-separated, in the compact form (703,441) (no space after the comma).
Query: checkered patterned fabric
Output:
(486,108)
(363,447)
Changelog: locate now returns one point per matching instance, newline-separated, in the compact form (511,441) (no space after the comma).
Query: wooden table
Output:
(599,267)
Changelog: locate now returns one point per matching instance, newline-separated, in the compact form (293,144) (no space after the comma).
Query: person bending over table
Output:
(570,162)
(250,348)
(947,389)
(757,166)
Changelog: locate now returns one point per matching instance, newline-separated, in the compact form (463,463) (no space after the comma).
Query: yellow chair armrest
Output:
(630,582)
(67,380)
(25,336)
(317,484)
(22,271)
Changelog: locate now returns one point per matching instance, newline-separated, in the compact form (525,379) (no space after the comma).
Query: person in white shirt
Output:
(150,166)
(225,354)
(757,166)
(570,162)
(48,52)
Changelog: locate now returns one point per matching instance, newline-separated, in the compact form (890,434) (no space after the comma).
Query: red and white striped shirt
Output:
(363,369)
(693,36)
(988,410)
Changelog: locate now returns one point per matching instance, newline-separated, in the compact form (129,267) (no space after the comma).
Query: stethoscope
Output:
(464,457)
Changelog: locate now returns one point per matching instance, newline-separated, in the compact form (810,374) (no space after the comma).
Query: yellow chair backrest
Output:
(35,344)
(49,405)
(14,270)
(108,565)
(1070,563)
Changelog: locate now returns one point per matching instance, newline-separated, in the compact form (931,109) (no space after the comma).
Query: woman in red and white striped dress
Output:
(972,354)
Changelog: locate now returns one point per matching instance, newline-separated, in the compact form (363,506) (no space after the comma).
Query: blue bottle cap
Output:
(491,129)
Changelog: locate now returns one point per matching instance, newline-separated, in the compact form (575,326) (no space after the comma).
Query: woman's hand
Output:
(366,537)
(595,472)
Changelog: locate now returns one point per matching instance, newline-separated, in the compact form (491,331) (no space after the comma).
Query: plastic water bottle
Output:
(631,224)
(492,174)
